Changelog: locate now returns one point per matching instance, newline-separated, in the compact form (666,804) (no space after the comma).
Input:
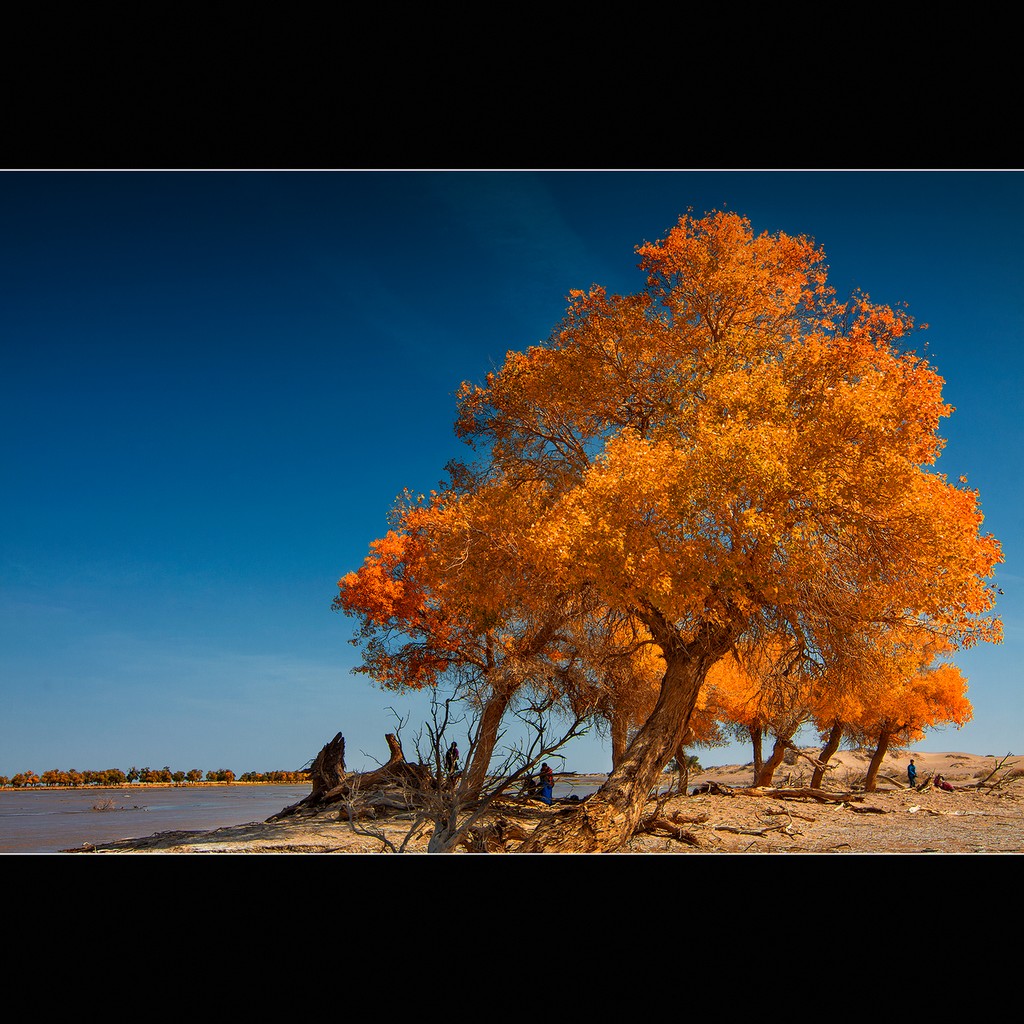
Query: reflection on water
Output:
(38,821)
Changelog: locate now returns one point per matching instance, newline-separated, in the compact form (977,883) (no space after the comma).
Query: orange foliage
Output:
(728,457)
(924,691)
(733,447)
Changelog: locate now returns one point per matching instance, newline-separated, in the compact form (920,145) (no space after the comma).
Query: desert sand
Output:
(983,815)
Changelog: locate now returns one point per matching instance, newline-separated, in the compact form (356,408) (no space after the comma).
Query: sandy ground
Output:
(893,820)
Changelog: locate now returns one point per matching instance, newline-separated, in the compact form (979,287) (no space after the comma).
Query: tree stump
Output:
(328,770)
(397,783)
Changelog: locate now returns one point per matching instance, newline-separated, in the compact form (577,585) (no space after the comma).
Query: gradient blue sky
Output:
(214,384)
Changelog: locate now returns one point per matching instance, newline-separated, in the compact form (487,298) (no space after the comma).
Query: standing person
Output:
(912,773)
(451,759)
(547,782)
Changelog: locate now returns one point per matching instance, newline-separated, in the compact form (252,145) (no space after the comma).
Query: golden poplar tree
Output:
(731,454)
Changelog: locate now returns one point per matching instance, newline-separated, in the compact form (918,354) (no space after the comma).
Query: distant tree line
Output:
(163,776)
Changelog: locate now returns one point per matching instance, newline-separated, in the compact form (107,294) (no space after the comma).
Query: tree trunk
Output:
(486,737)
(610,816)
(835,737)
(756,738)
(620,733)
(876,760)
(683,765)
(767,773)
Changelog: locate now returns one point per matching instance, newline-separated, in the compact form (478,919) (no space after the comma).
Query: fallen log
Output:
(804,793)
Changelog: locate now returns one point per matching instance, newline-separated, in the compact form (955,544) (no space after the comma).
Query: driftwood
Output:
(804,793)
(786,828)
(396,774)
(821,795)
(328,769)
(388,787)
(672,826)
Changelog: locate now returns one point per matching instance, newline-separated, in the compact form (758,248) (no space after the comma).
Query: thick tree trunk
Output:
(835,737)
(620,732)
(767,773)
(610,816)
(876,761)
(486,737)
(756,738)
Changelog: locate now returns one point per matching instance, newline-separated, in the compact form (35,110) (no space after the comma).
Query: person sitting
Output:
(941,783)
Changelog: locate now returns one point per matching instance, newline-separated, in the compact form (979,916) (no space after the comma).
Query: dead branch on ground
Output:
(1007,776)
(672,826)
(786,829)
(805,793)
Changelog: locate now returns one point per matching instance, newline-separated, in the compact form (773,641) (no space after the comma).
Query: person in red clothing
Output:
(941,783)
(547,782)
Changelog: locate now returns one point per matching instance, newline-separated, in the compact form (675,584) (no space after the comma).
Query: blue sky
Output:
(213,385)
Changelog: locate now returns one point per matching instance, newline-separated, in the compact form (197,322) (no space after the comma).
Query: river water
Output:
(49,821)
(52,821)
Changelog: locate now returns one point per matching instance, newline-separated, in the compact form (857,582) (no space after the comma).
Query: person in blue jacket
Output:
(912,773)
